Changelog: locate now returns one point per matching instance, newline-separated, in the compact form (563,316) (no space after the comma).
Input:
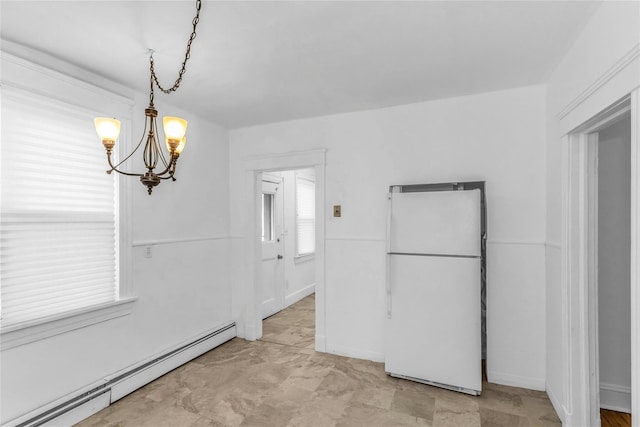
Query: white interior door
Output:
(272,246)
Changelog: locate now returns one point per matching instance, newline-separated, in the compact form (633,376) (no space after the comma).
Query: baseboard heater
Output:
(76,408)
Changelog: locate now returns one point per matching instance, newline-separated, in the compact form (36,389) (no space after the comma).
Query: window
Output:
(305,214)
(58,211)
(267,217)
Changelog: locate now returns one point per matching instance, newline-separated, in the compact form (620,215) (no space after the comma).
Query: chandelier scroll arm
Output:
(115,168)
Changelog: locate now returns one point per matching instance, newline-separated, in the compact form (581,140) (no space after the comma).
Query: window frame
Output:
(70,88)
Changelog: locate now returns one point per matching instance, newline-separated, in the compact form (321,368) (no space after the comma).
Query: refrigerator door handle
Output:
(388,288)
(387,281)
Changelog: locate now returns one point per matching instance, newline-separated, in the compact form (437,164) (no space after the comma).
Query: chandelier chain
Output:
(187,55)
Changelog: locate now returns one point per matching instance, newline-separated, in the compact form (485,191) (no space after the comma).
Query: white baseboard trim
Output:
(516,380)
(557,405)
(356,353)
(78,413)
(85,402)
(299,294)
(615,397)
(135,377)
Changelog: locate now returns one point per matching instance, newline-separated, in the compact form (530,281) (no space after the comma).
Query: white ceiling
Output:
(257,62)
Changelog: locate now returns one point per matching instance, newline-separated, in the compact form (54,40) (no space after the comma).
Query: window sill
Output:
(35,330)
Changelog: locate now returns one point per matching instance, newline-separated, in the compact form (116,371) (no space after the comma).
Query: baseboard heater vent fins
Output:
(130,380)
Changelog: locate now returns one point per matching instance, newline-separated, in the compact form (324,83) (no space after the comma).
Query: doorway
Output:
(613,231)
(586,263)
(250,323)
(288,238)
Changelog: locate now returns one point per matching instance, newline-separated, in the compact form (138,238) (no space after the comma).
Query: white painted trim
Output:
(566,276)
(320,287)
(178,240)
(66,69)
(124,219)
(133,377)
(516,380)
(557,405)
(76,406)
(591,271)
(356,353)
(620,65)
(35,330)
(299,294)
(615,397)
(78,413)
(579,266)
(31,417)
(635,255)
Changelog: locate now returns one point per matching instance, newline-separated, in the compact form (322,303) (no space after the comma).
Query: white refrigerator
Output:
(435,265)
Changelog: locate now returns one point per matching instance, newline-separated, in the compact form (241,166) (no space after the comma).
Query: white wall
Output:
(497,137)
(614,231)
(600,68)
(183,290)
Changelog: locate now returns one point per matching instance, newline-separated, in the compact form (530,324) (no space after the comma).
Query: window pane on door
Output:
(267,217)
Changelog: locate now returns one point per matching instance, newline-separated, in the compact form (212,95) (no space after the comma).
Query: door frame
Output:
(254,167)
(579,264)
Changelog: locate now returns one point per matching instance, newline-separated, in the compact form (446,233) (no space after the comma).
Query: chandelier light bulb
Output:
(175,128)
(108,129)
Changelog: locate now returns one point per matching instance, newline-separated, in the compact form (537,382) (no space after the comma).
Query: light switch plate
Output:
(337,211)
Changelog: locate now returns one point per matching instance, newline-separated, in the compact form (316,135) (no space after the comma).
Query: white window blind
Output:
(305,216)
(58,211)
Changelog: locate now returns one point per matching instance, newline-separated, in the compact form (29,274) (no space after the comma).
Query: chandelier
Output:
(175,129)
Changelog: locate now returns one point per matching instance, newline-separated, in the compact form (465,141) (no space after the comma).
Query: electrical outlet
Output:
(337,211)
(148,253)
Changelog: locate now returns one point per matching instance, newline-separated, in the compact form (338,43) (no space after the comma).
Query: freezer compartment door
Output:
(438,222)
(433,331)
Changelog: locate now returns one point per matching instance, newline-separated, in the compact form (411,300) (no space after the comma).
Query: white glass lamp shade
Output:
(108,129)
(180,146)
(175,128)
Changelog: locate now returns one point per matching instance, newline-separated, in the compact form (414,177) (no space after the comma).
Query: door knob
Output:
(279,256)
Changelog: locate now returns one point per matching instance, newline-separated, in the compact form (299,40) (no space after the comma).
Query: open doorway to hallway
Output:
(288,255)
(600,263)
(613,231)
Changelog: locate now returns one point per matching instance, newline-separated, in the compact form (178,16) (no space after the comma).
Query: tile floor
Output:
(281,381)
